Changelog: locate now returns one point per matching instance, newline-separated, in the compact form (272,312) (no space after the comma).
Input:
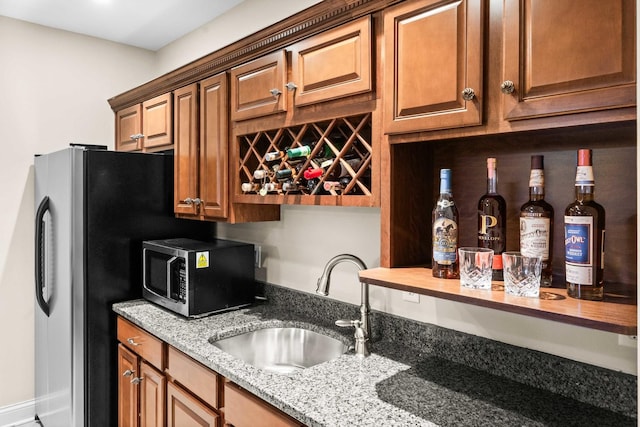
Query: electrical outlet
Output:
(628,341)
(257,256)
(411,297)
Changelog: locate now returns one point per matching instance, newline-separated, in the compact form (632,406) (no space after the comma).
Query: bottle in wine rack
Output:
(536,222)
(250,187)
(445,232)
(584,228)
(492,220)
(274,155)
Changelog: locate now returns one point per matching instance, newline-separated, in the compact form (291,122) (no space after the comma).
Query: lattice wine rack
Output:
(327,158)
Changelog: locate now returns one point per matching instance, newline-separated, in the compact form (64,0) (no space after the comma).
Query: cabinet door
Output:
(152,396)
(214,137)
(129,128)
(433,52)
(128,368)
(568,56)
(186,150)
(184,410)
(257,87)
(157,124)
(243,409)
(333,64)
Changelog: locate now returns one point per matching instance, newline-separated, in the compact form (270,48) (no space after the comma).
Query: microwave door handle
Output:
(40,255)
(170,263)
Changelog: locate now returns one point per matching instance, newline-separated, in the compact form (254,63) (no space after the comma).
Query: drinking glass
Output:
(475,267)
(521,274)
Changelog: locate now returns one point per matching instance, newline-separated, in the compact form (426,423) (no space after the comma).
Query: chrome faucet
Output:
(363,326)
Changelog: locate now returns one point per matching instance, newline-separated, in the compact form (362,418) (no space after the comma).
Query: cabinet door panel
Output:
(128,367)
(333,64)
(251,86)
(143,343)
(157,125)
(433,52)
(128,123)
(242,409)
(152,396)
(214,157)
(183,410)
(568,56)
(186,149)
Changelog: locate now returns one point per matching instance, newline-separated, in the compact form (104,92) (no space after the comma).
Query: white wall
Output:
(54,87)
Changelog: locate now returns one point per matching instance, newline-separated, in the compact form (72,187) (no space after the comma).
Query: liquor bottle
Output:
(250,187)
(536,222)
(273,155)
(444,220)
(303,151)
(584,221)
(492,220)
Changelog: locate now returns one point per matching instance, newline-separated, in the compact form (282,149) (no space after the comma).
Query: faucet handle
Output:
(360,336)
(346,323)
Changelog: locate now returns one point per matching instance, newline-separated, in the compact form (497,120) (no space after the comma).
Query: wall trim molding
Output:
(18,413)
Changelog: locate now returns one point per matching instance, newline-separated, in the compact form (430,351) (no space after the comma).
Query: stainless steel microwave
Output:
(195,278)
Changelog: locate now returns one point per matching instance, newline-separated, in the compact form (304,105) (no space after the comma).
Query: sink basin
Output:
(282,350)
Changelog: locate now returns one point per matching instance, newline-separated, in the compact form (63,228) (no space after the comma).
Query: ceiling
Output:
(149,24)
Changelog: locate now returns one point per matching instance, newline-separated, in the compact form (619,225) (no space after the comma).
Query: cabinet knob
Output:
(468,94)
(136,380)
(291,86)
(275,92)
(128,373)
(507,87)
(132,342)
(136,136)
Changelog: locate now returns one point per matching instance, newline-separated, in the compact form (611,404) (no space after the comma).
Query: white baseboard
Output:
(18,413)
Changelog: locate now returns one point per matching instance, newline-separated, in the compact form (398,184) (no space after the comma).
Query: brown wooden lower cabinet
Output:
(243,409)
(184,410)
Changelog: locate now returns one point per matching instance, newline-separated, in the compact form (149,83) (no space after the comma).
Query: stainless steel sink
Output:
(282,350)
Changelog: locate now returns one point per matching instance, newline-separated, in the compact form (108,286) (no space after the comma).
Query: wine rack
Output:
(330,159)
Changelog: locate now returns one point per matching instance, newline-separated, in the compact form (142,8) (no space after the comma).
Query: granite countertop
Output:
(395,386)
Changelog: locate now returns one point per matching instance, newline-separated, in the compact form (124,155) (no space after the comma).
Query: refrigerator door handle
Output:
(39,267)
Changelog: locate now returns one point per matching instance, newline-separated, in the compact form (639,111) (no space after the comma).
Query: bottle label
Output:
(578,235)
(534,236)
(445,241)
(536,178)
(584,176)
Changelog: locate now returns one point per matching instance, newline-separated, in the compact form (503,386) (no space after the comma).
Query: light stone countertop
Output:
(395,386)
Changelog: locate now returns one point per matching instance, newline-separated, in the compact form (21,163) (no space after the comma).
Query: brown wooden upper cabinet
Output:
(568,56)
(147,126)
(331,65)
(433,65)
(201,149)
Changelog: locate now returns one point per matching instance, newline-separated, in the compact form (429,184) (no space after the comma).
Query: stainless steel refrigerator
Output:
(94,209)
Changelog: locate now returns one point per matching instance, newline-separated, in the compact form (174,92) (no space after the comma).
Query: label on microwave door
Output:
(202,259)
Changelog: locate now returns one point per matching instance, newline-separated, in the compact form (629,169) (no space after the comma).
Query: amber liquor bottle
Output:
(536,222)
(492,220)
(445,231)
(584,221)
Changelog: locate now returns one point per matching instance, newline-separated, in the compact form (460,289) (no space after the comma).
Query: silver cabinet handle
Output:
(275,92)
(291,86)
(507,87)
(197,201)
(132,342)
(189,201)
(136,380)
(136,136)
(128,373)
(468,94)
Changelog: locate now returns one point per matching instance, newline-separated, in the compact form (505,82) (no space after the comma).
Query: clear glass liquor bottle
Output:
(536,222)
(492,220)
(584,228)
(445,231)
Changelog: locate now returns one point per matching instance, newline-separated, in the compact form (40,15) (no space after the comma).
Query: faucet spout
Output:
(363,329)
